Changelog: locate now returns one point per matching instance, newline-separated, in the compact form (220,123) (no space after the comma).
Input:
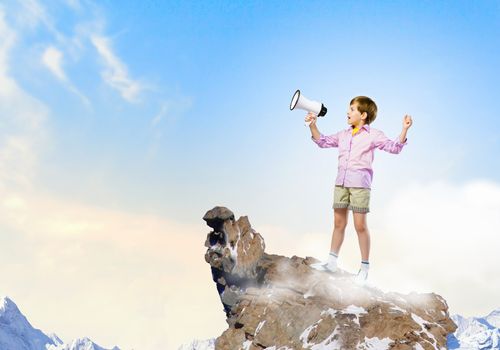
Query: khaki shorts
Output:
(353,198)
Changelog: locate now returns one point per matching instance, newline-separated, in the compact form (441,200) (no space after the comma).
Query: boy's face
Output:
(354,117)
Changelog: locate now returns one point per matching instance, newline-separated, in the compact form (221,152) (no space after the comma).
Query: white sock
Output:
(365,265)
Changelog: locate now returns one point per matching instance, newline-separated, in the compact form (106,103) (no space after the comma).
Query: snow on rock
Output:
(376,343)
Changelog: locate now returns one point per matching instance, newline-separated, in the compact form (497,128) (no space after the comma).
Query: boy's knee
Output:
(361,229)
(340,225)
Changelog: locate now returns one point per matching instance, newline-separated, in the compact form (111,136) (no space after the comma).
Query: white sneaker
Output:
(331,267)
(361,277)
(324,266)
(321,266)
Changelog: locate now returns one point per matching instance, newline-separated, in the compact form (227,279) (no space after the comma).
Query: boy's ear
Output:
(364,115)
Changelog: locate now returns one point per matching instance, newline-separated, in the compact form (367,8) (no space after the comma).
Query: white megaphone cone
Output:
(301,102)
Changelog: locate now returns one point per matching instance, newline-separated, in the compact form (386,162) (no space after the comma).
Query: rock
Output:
(234,249)
(217,216)
(276,301)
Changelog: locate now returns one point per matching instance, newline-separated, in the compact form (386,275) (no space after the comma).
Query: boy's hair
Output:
(366,104)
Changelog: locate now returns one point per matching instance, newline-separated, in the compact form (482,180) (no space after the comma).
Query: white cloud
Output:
(141,273)
(445,237)
(8,39)
(52,58)
(115,73)
(74,4)
(170,109)
(165,106)
(23,118)
(437,237)
(31,13)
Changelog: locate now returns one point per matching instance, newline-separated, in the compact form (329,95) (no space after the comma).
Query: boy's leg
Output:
(340,204)
(364,246)
(360,205)
(339,225)
(340,222)
(340,208)
(363,235)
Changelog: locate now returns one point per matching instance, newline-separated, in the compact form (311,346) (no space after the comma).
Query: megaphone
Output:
(301,102)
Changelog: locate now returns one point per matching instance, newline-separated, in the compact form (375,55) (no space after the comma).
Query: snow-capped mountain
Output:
(79,344)
(494,318)
(199,345)
(476,333)
(16,333)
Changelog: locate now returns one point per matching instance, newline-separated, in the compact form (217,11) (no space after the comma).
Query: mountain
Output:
(494,318)
(476,333)
(199,345)
(80,344)
(277,302)
(16,333)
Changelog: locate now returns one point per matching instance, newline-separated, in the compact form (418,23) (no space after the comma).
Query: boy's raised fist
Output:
(407,121)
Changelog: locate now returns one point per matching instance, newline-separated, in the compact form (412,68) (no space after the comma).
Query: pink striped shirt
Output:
(356,153)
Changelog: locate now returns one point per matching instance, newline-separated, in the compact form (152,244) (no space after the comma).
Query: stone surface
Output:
(276,301)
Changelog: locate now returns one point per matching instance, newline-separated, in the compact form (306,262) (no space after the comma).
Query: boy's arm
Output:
(318,138)
(311,118)
(385,144)
(402,137)
(407,122)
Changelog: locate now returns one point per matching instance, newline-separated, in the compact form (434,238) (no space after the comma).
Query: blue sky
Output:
(163,110)
(231,69)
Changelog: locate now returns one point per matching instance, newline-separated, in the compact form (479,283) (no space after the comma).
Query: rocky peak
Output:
(278,302)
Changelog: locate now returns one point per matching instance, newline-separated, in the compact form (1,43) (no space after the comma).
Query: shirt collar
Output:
(366,127)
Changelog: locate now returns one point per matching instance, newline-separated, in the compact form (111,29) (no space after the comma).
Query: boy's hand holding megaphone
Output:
(311,119)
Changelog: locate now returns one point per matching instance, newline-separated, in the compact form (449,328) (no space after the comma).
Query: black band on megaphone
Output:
(323,111)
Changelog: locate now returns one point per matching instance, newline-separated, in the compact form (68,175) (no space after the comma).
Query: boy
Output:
(352,186)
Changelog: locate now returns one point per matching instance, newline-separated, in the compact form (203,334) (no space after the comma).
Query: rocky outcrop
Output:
(276,302)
